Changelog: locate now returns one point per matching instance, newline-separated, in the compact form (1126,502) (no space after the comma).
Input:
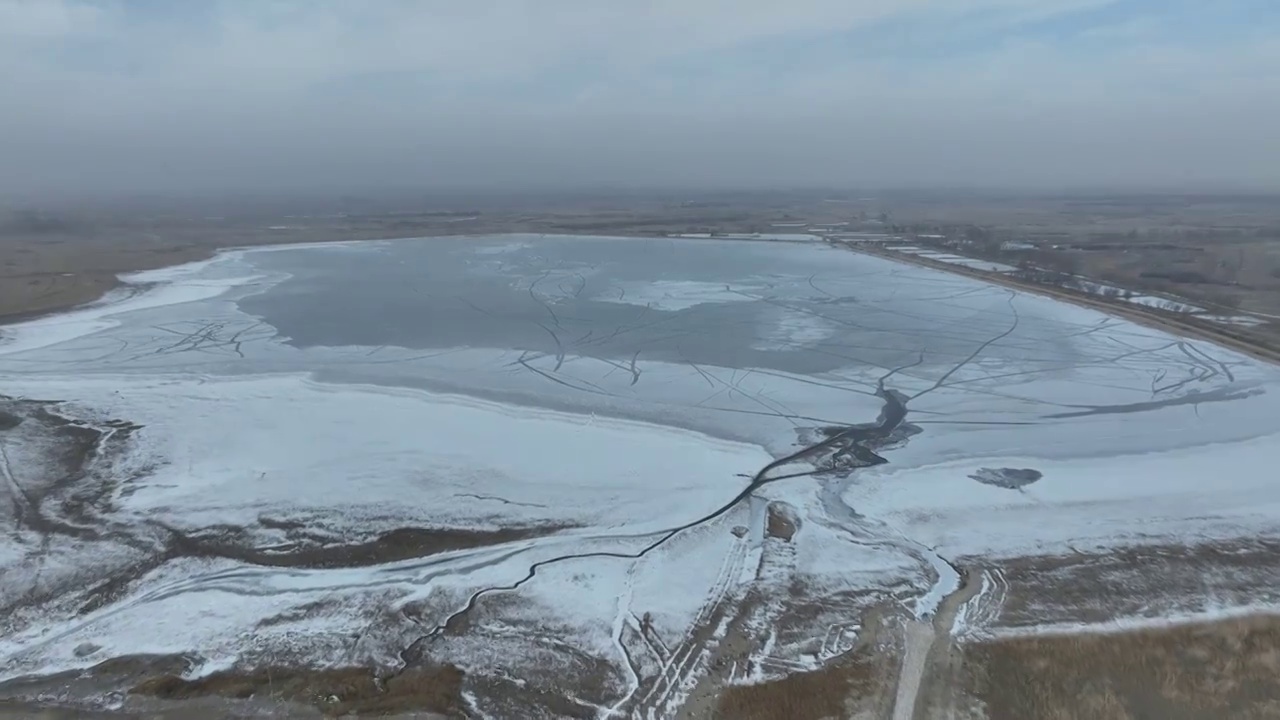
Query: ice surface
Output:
(946,582)
(788,332)
(187,283)
(1087,500)
(610,392)
(672,294)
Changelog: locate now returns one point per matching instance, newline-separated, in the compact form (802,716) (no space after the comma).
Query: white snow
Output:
(787,331)
(150,289)
(782,237)
(948,580)
(952,259)
(1097,288)
(863,237)
(672,295)
(1127,498)
(686,577)
(1131,296)
(979,613)
(239,447)
(1240,320)
(1140,436)
(1161,303)
(502,248)
(1130,624)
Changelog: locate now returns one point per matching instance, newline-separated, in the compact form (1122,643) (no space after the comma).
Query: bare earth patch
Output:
(391,546)
(782,522)
(151,687)
(338,692)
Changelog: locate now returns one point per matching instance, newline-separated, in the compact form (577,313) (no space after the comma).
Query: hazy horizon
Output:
(120,98)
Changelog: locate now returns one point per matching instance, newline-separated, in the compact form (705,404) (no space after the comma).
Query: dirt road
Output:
(919,640)
(930,664)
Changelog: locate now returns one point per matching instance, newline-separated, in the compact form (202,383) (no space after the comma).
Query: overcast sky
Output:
(187,96)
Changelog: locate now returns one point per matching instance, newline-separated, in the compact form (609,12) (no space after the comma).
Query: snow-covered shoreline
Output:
(143,290)
(249,441)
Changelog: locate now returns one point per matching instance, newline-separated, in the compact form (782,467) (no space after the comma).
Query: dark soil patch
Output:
(398,544)
(1007,478)
(436,689)
(782,522)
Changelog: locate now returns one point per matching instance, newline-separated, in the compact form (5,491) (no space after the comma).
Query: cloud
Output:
(114,95)
(45,20)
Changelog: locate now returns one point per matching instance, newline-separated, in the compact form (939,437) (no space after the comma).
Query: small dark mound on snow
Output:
(1007,478)
(783,522)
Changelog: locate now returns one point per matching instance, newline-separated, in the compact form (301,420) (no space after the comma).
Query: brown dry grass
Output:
(337,692)
(856,684)
(1233,273)
(1228,669)
(807,696)
(43,274)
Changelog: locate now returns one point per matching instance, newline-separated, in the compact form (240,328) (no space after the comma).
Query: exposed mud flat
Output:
(303,551)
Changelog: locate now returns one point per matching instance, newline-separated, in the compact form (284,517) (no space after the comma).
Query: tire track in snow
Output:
(682,660)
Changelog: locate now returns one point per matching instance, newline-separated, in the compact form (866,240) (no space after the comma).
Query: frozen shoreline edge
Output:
(148,289)
(142,290)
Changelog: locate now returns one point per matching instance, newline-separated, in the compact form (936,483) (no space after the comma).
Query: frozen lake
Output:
(572,417)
